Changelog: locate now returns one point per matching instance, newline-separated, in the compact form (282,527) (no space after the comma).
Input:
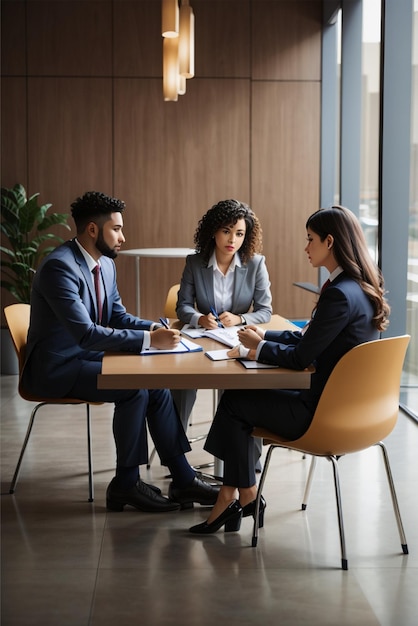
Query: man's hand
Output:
(165,338)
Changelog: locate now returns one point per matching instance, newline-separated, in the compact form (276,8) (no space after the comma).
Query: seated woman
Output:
(350,310)
(226,276)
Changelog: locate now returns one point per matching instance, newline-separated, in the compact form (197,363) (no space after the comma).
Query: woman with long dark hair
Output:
(351,309)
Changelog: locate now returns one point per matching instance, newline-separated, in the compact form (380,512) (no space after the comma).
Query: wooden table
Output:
(197,371)
(194,370)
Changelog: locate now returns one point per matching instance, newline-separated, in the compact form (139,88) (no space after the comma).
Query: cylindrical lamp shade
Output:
(186,41)
(170,69)
(182,85)
(170,18)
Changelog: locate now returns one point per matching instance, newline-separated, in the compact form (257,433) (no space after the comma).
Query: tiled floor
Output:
(66,562)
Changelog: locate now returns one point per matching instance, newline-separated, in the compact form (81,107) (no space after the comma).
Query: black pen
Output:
(216,316)
(164,322)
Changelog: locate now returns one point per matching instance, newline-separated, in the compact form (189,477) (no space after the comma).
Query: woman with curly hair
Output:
(227,274)
(351,310)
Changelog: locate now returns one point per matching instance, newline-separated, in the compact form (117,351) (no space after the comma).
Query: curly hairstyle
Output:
(94,205)
(227,213)
(351,253)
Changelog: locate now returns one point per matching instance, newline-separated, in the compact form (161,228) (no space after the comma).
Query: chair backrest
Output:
(171,302)
(17,318)
(359,405)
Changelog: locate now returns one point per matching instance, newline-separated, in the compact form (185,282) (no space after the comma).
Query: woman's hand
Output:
(240,352)
(230,319)
(165,338)
(250,336)
(208,321)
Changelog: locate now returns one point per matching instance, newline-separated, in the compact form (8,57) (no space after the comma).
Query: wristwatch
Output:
(243,320)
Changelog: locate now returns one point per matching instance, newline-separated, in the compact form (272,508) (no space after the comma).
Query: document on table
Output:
(184,346)
(256,365)
(227,336)
(218,355)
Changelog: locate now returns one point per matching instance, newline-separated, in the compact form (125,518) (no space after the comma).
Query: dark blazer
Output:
(342,320)
(251,290)
(63,330)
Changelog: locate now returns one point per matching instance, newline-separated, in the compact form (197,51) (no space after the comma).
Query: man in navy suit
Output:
(72,325)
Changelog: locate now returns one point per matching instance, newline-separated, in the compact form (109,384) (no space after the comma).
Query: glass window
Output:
(369,173)
(409,395)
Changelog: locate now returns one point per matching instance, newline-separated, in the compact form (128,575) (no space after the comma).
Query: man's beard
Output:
(102,246)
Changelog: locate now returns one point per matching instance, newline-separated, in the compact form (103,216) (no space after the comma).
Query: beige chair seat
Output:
(359,407)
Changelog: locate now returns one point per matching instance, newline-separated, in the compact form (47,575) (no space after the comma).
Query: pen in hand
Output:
(216,316)
(164,322)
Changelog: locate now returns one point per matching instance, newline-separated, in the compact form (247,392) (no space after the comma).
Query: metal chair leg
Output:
(334,461)
(25,443)
(394,497)
(259,494)
(90,454)
(309,483)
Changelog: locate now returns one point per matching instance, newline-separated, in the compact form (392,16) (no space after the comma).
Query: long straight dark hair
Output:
(351,253)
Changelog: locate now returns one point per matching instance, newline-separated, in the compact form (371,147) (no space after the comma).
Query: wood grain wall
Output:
(82,109)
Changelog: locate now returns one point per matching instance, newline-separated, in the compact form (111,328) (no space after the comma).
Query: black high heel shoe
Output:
(249,509)
(231,518)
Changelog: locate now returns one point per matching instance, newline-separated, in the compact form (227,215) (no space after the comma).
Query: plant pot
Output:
(9,362)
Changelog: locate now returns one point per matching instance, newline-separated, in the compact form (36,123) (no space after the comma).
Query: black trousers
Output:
(229,439)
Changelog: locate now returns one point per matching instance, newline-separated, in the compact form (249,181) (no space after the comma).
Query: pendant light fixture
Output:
(170,18)
(186,40)
(178,47)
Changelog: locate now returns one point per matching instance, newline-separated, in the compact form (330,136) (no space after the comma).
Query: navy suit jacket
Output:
(251,290)
(342,320)
(63,331)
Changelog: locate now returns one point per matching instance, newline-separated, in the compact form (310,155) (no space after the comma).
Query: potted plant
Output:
(25,238)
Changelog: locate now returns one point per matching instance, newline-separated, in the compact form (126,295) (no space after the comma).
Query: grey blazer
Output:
(251,297)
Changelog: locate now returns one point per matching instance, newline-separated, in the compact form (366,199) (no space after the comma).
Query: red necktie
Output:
(325,285)
(97,281)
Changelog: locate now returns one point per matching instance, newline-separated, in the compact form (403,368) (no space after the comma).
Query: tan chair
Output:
(171,302)
(358,408)
(17,318)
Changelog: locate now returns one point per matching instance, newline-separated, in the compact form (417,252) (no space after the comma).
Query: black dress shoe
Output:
(141,496)
(230,518)
(249,509)
(198,491)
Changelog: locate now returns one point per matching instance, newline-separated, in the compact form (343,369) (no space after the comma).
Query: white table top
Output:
(159,252)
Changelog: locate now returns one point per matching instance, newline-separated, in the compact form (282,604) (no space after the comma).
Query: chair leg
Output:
(334,461)
(309,483)
(394,498)
(90,454)
(25,443)
(259,494)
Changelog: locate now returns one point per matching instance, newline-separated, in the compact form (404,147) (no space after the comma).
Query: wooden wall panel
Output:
(13,132)
(137,39)
(173,161)
(13,44)
(248,126)
(69,138)
(286,40)
(69,38)
(285,183)
(223,38)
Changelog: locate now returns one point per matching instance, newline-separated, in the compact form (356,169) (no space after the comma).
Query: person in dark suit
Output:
(72,325)
(227,275)
(350,310)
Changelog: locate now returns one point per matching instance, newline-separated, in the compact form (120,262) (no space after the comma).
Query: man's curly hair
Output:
(227,213)
(94,205)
